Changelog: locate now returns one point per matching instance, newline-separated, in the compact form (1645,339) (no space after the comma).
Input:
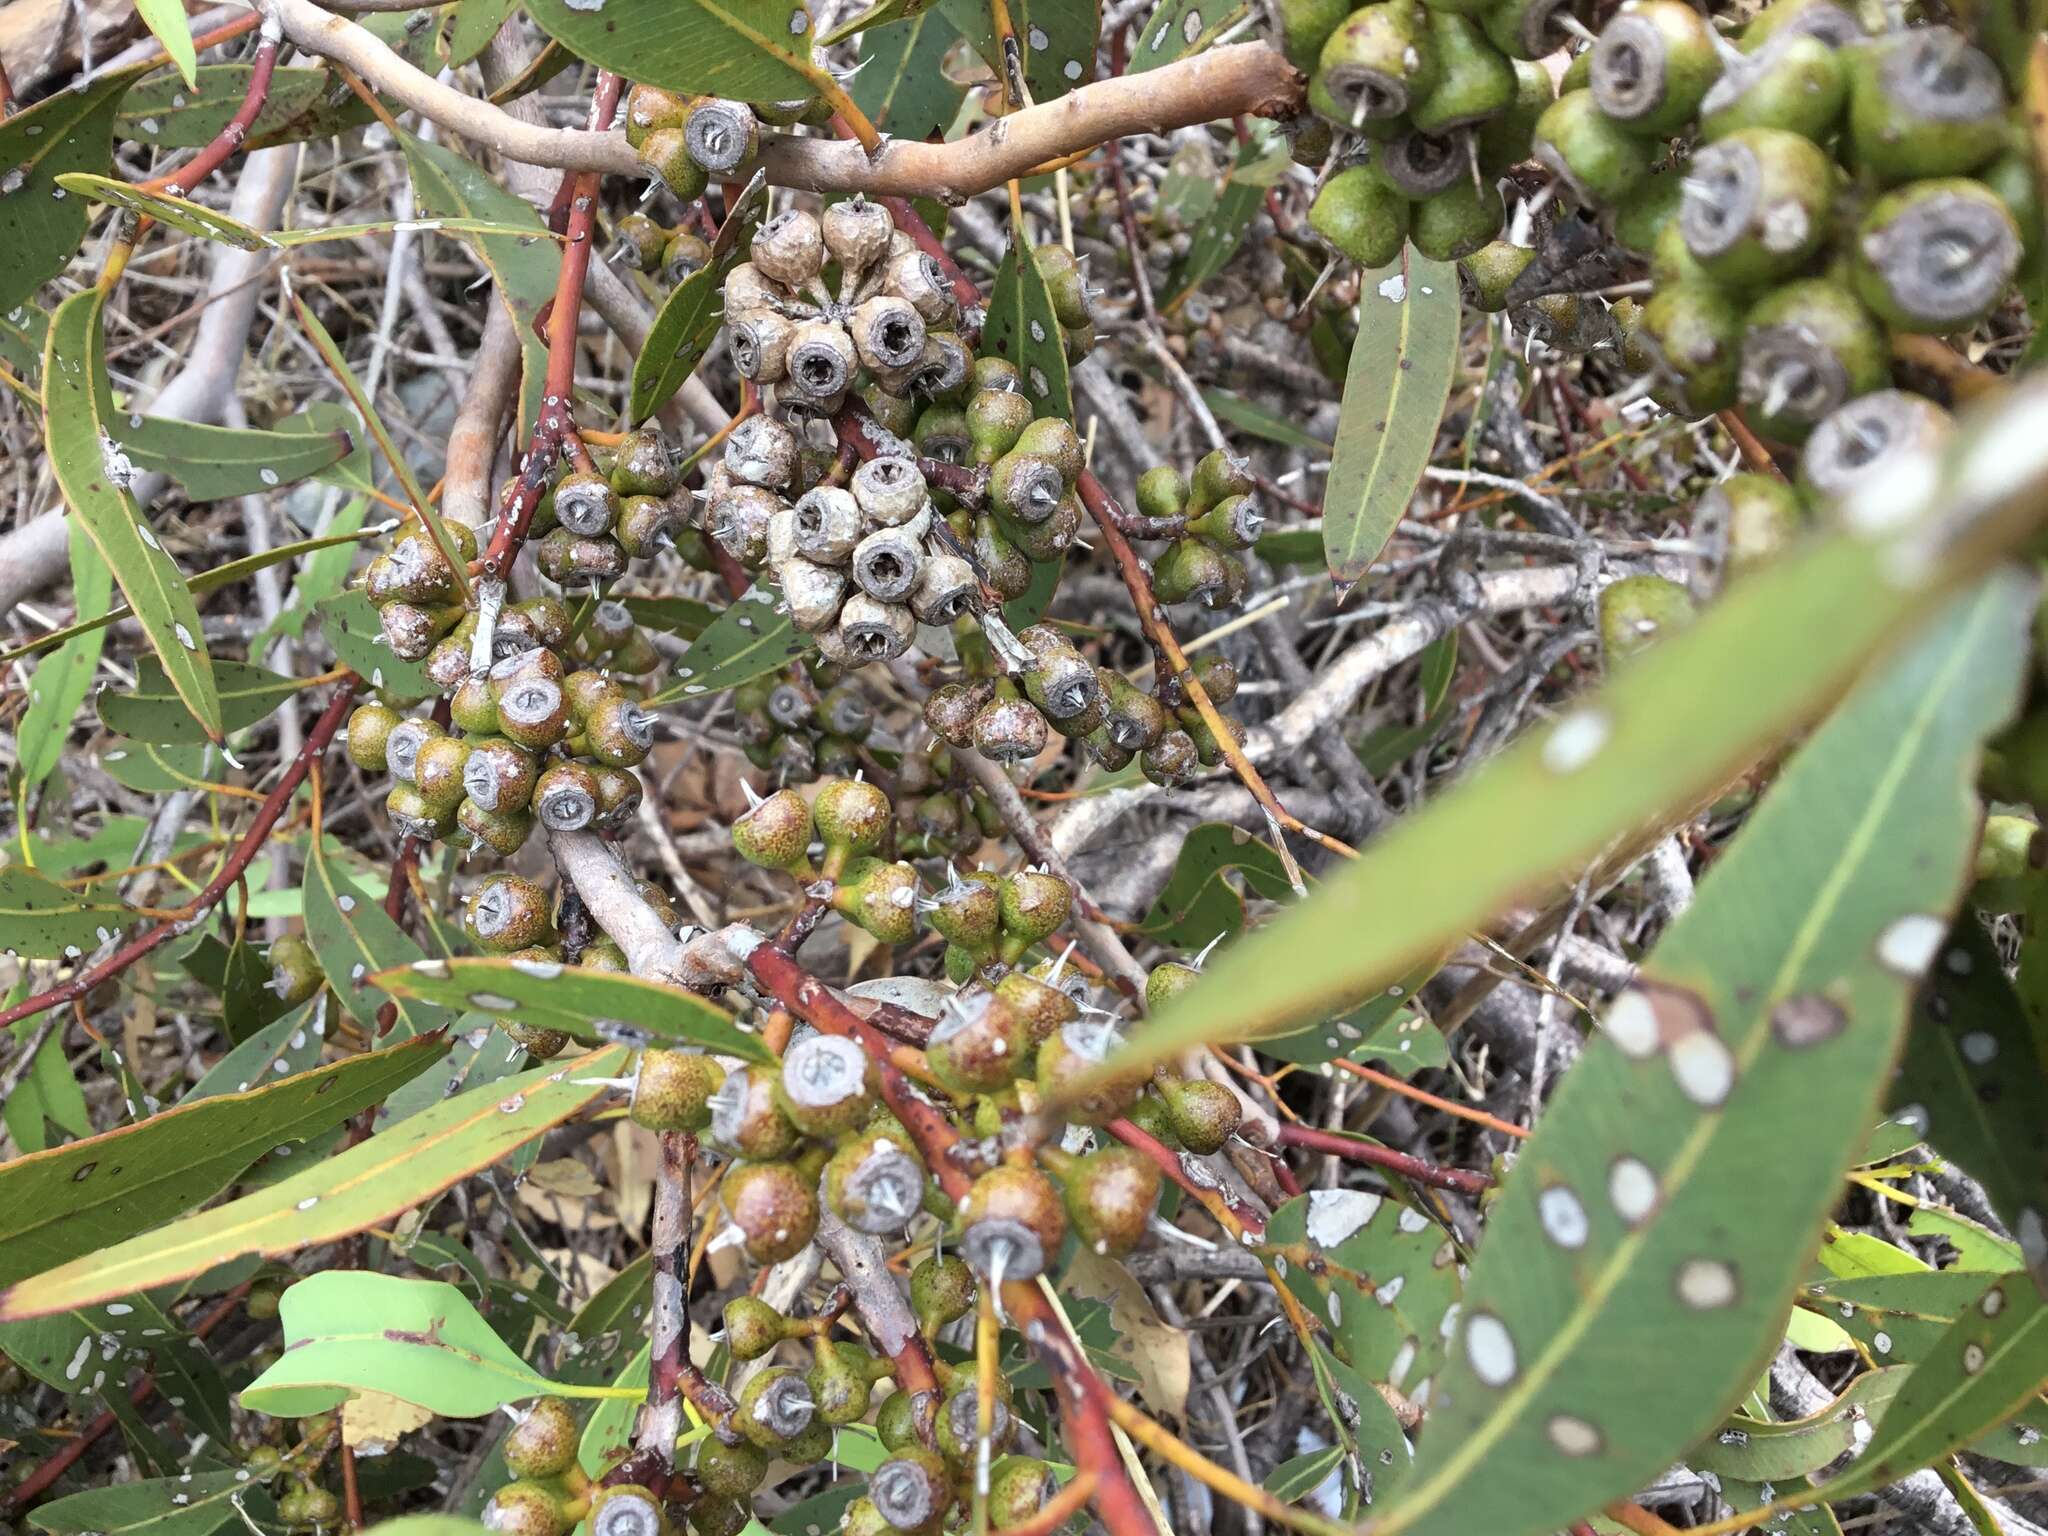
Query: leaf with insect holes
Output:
(420,1341)
(1198,904)
(584,1004)
(1973,1084)
(352,938)
(1181,27)
(748,640)
(1394,394)
(748,50)
(1604,774)
(191,1504)
(59,684)
(41,225)
(40,920)
(1748,1056)
(370,1182)
(1988,1363)
(1056,40)
(216,462)
(902,84)
(1768,1451)
(1022,326)
(154,710)
(689,317)
(70,1201)
(168,114)
(356,636)
(78,417)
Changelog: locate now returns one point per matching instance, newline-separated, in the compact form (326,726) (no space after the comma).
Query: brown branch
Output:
(883,1312)
(1246,78)
(1232,1214)
(1413,1169)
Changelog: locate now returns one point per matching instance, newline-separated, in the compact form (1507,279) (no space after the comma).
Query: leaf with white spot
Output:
(192,1504)
(165,113)
(213,462)
(41,920)
(1022,326)
(369,1183)
(1181,27)
(352,937)
(1776,1451)
(356,636)
(1198,904)
(154,709)
(60,683)
(750,639)
(1675,1189)
(902,84)
(1056,40)
(584,1004)
(41,224)
(60,1205)
(93,473)
(749,50)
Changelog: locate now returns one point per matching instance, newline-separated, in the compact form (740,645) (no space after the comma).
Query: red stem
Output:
(1134,1136)
(267,816)
(1414,1169)
(180,182)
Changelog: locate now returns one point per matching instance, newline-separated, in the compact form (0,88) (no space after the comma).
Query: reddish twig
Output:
(1232,1213)
(245,853)
(1413,1169)
(186,177)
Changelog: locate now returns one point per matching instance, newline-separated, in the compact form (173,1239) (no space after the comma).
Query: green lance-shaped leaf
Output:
(197,1504)
(179,213)
(584,1004)
(690,316)
(93,473)
(170,26)
(748,640)
(213,462)
(1972,1084)
(356,636)
(369,1183)
(1608,771)
(1260,422)
(1676,1187)
(1198,904)
(420,1341)
(1987,1366)
(1394,393)
(41,225)
(167,114)
(352,937)
(902,85)
(59,685)
(750,50)
(154,709)
(73,1200)
(1180,27)
(1766,1451)
(1021,326)
(1261,160)
(1056,40)
(41,920)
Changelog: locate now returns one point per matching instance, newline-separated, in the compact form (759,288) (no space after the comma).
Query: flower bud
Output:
(1190,571)
(1020,1488)
(411,630)
(643,467)
(789,249)
(647,525)
(722,135)
(762,451)
(851,815)
(1204,1115)
(1360,217)
(1012,1223)
(507,912)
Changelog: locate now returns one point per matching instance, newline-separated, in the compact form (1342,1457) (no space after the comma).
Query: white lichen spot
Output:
(1386,1294)
(1706,1285)
(1394,289)
(1573,1435)
(1992,1302)
(1334,1214)
(1563,1216)
(1071,69)
(1908,947)
(1632,1190)
(1575,740)
(1882,1343)
(1490,1349)
(1631,1023)
(1703,1068)
(1979,1047)
(1973,1358)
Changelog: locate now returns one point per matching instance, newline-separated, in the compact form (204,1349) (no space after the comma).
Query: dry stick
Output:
(1085,1403)
(864,1266)
(1246,78)
(245,853)
(671,1377)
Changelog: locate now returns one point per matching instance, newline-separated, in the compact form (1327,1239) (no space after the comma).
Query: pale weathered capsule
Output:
(888,332)
(946,589)
(759,341)
(828,524)
(821,359)
(918,279)
(890,489)
(762,451)
(813,593)
(857,232)
(875,631)
(887,564)
(789,249)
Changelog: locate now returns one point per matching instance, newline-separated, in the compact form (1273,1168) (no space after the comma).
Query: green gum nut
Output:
(1190,571)
(1419,165)
(1652,64)
(1456,221)
(852,817)
(1360,217)
(1051,438)
(1695,332)
(666,153)
(1063,280)
(879,897)
(1639,221)
(776,834)
(1797,84)
(2010,856)
(1755,206)
(1166,981)
(1924,103)
(1033,903)
(1487,274)
(1599,160)
(1474,80)
(1826,20)
(2012,178)
(1672,261)
(1162,492)
(1508,137)
(996,418)
(1808,348)
(1868,440)
(1637,611)
(1524,29)
(1375,66)
(1935,256)
(1305,25)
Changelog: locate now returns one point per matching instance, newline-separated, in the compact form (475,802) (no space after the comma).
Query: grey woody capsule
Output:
(789,249)
(887,332)
(813,592)
(565,798)
(762,451)
(884,1190)
(738,520)
(448,665)
(1025,487)
(946,589)
(1863,439)
(565,557)
(875,631)
(887,564)
(1009,730)
(1789,372)
(906,1493)
(782,538)
(828,524)
(890,489)
(409,629)
(942,366)
(834,649)
(586,504)
(402,746)
(722,135)
(747,289)
(647,525)
(787,706)
(1424,164)
(618,794)
(796,405)
(951,708)
(857,233)
(759,341)
(1937,255)
(821,359)
(918,279)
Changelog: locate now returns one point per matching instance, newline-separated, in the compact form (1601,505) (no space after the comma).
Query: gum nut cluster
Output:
(1804,192)
(546,715)
(799,728)
(1442,97)
(850,822)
